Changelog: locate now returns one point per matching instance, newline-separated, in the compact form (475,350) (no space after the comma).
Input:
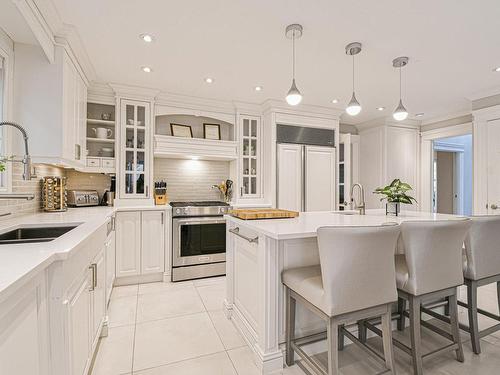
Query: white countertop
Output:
(308,223)
(20,262)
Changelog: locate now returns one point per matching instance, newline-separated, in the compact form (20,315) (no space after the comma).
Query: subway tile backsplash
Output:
(191,179)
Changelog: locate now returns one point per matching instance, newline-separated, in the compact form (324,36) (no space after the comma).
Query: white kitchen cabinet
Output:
(135,149)
(51,106)
(250,157)
(290,177)
(152,242)
(387,152)
(348,167)
(128,243)
(140,243)
(80,327)
(319,183)
(110,249)
(98,294)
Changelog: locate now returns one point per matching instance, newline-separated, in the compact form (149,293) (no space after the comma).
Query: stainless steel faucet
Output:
(26,159)
(361,206)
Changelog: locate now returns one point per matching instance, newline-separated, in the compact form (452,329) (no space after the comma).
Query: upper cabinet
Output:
(100,138)
(135,149)
(387,152)
(51,103)
(250,157)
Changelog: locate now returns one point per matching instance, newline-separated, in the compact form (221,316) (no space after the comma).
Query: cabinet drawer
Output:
(108,163)
(93,162)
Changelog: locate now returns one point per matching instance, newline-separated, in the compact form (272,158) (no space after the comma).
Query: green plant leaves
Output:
(396,192)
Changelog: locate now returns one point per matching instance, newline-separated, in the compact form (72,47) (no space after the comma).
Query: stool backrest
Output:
(433,251)
(357,266)
(482,247)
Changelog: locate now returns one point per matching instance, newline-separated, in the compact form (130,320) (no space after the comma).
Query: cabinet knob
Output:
(493,206)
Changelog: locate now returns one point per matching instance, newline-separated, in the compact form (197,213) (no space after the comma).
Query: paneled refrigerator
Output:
(306,168)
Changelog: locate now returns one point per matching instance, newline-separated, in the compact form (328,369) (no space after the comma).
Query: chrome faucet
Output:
(26,159)
(361,205)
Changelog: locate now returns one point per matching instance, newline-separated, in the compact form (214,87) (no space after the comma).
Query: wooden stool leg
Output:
(341,338)
(290,326)
(455,330)
(416,342)
(401,309)
(473,317)
(498,295)
(387,340)
(362,331)
(333,346)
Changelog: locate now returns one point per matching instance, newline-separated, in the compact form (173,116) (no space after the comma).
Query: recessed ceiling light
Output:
(148,38)
(335,101)
(258,88)
(497,69)
(209,80)
(419,114)
(146,69)
(380,108)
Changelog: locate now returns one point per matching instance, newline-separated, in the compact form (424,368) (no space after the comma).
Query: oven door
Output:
(198,240)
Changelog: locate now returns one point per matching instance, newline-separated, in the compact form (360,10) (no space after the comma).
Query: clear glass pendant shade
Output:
(294,96)
(353,108)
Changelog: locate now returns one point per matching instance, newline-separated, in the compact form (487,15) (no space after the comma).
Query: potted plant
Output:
(395,193)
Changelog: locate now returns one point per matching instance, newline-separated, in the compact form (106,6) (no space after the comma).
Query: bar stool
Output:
(481,267)
(355,280)
(430,270)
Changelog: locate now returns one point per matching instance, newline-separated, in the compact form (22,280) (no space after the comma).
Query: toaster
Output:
(83,198)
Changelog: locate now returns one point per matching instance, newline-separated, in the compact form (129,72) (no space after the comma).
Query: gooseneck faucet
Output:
(361,205)
(26,159)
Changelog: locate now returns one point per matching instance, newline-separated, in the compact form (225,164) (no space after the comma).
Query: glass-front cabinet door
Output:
(135,127)
(250,156)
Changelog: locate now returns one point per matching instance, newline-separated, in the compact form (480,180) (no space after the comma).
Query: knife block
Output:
(160,199)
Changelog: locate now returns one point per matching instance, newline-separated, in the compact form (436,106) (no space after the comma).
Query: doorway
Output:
(452,175)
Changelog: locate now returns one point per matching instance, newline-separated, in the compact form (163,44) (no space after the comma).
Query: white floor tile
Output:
(212,295)
(122,311)
(242,359)
(162,342)
(163,286)
(209,281)
(228,333)
(124,291)
(115,352)
(213,364)
(169,303)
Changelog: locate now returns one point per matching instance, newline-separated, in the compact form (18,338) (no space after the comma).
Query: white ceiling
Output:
(13,23)
(452,45)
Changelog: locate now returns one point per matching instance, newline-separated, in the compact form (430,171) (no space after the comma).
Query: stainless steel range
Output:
(198,239)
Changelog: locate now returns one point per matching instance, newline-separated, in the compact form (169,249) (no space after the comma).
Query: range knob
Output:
(186,210)
(223,210)
(177,210)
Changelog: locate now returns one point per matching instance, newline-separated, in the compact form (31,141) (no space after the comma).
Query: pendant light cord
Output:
(293,53)
(400,84)
(353,73)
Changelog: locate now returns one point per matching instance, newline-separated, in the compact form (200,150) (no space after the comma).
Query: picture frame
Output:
(178,130)
(211,131)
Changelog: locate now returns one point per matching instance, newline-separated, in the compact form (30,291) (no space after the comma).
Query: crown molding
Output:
(273,105)
(194,103)
(388,121)
(484,93)
(486,114)
(100,92)
(134,92)
(449,116)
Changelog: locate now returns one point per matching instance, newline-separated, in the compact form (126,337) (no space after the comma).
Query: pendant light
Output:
(293,32)
(400,113)
(353,108)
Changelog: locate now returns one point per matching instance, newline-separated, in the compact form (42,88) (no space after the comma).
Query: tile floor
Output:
(167,329)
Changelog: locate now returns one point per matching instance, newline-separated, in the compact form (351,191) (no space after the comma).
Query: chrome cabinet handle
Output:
(237,232)
(494,206)
(77,152)
(92,283)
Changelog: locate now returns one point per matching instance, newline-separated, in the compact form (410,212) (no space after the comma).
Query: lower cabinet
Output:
(110,264)
(86,312)
(140,243)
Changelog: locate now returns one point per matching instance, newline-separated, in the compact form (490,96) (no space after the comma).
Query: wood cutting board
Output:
(263,213)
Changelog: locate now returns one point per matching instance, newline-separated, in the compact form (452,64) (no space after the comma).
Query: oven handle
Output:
(197,220)
(249,239)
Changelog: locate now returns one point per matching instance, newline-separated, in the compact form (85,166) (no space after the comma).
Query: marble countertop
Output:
(308,223)
(20,262)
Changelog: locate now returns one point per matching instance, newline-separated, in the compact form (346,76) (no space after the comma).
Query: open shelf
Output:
(102,140)
(100,122)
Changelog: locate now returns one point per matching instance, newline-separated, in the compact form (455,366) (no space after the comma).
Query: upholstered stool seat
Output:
(354,281)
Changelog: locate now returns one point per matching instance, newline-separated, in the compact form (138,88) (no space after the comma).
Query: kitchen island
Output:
(259,250)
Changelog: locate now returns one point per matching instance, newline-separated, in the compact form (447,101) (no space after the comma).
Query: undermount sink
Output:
(346,212)
(34,234)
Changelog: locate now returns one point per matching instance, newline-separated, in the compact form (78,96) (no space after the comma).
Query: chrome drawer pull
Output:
(237,232)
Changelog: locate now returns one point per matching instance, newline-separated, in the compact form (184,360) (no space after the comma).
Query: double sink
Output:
(30,234)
